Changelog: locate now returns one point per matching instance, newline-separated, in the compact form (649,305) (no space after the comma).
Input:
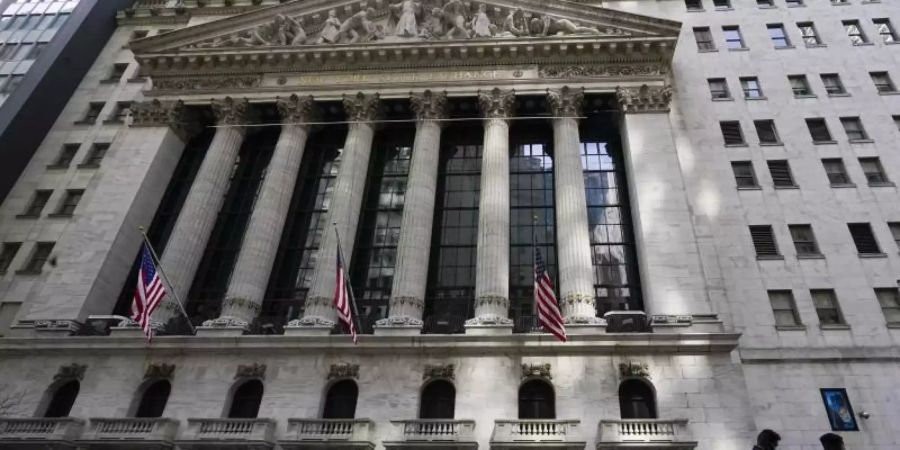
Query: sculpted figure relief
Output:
(358,28)
(553,26)
(330,29)
(406,25)
(481,23)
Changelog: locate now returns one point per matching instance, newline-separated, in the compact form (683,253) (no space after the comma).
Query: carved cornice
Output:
(155,113)
(344,370)
(296,109)
(536,371)
(429,105)
(161,370)
(254,370)
(229,111)
(72,371)
(440,371)
(644,99)
(634,369)
(497,103)
(362,107)
(565,102)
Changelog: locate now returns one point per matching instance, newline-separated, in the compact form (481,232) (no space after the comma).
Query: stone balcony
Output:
(39,433)
(530,433)
(228,434)
(646,434)
(433,433)
(343,434)
(129,433)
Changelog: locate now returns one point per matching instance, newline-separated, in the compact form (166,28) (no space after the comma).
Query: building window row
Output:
(778,34)
(41,197)
(92,160)
(39,256)
(752,90)
(33,22)
(835,172)
(120,112)
(827,306)
(767,133)
(725,5)
(766,246)
(22,51)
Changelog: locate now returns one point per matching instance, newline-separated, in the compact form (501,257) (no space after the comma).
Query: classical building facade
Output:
(709,183)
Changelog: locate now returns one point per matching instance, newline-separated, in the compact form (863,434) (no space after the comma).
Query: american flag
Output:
(545,300)
(342,296)
(149,294)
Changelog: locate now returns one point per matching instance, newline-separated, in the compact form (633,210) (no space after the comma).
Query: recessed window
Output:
(895,232)
(781,174)
(784,309)
(537,400)
(14,82)
(766,131)
(340,400)
(722,4)
(115,74)
(693,5)
(840,2)
(854,32)
(744,176)
(751,88)
(704,39)
(22,51)
(793,3)
(778,36)
(896,122)
(66,155)
(154,399)
(98,152)
(731,132)
(245,400)
(827,307)
(37,204)
(36,50)
(854,129)
(836,172)
(438,400)
(733,38)
(884,29)
(889,299)
(93,112)
(800,85)
(804,240)
(39,256)
(69,202)
(863,238)
(764,240)
(809,34)
(7,51)
(883,82)
(833,84)
(7,252)
(718,89)
(765,3)
(62,400)
(818,130)
(874,171)
(637,400)
(123,109)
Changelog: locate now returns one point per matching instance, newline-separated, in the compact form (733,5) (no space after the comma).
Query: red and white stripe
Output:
(342,298)
(549,317)
(149,293)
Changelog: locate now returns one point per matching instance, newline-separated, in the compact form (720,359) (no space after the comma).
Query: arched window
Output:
(340,401)
(636,400)
(438,400)
(536,400)
(154,399)
(63,399)
(246,399)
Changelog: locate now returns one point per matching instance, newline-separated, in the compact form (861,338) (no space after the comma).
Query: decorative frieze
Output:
(194,83)
(497,103)
(255,370)
(343,370)
(159,371)
(429,105)
(72,371)
(565,102)
(644,99)
(229,111)
(536,371)
(295,109)
(439,372)
(634,369)
(602,71)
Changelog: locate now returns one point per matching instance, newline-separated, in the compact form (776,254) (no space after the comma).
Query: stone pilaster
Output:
(250,276)
(573,246)
(201,207)
(411,271)
(362,111)
(492,272)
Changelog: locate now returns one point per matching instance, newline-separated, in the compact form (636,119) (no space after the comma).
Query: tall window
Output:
(818,130)
(62,400)
(731,132)
(885,30)
(532,217)
(70,202)
(809,34)
(883,82)
(778,35)
(245,400)
(804,240)
(874,171)
(704,39)
(800,85)
(154,399)
(733,38)
(764,241)
(95,156)
(854,32)
(537,400)
(616,281)
(751,87)
(340,401)
(833,84)
(854,129)
(784,308)
(451,283)
(744,176)
(38,202)
(376,249)
(7,252)
(780,170)
(211,281)
(889,299)
(636,400)
(39,257)
(827,307)
(864,238)
(438,400)
(305,225)
(766,131)
(836,171)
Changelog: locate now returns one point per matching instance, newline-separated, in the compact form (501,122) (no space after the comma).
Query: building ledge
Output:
(791,355)
(655,434)
(337,434)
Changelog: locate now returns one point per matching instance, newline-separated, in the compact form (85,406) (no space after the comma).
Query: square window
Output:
(115,74)
(781,174)
(864,239)
(883,82)
(827,307)
(704,39)
(804,240)
(888,299)
(854,32)
(884,29)
(66,155)
(809,34)
(793,3)
(751,88)
(98,152)
(895,232)
(70,202)
(7,252)
(731,132)
(693,5)
(854,129)
(874,171)
(818,130)
(744,176)
(38,257)
(123,109)
(896,122)
(765,3)
(718,89)
(778,36)
(800,85)
(835,171)
(764,240)
(138,34)
(840,2)
(36,50)
(93,112)
(722,4)
(38,201)
(833,84)
(766,131)
(14,82)
(733,38)
(784,309)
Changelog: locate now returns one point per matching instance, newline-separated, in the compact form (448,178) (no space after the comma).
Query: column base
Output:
(580,329)
(398,326)
(309,326)
(489,325)
(53,328)
(223,326)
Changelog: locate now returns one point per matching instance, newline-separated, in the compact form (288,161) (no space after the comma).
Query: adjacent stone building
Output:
(708,181)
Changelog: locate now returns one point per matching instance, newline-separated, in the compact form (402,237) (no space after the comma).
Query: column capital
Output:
(429,105)
(173,114)
(497,103)
(362,107)
(296,109)
(644,99)
(565,102)
(229,111)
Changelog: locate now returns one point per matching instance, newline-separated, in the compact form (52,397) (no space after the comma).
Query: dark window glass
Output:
(14,82)
(38,202)
(704,38)
(38,257)
(154,399)
(854,128)
(7,50)
(765,3)
(835,170)
(66,155)
(883,82)
(799,85)
(7,253)
(889,299)
(636,400)
(765,130)
(804,240)
(245,400)
(722,4)
(693,5)
(438,400)
(874,171)
(863,238)
(62,400)
(731,132)
(781,174)
(744,176)
(818,130)
(120,113)
(764,240)
(36,50)
(93,112)
(96,155)
(827,308)
(340,401)
(70,202)
(809,34)
(537,400)
(833,84)
(115,74)
(139,34)
(784,308)
(718,88)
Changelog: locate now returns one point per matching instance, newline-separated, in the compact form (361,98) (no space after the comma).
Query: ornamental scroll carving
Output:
(155,113)
(429,105)
(254,370)
(207,83)
(296,109)
(565,102)
(633,369)
(161,370)
(497,103)
(362,107)
(644,99)
(536,371)
(229,111)
(72,371)
(343,370)
(440,371)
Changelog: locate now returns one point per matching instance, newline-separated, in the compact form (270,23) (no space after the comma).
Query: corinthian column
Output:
(201,207)
(362,110)
(576,279)
(411,272)
(247,286)
(492,272)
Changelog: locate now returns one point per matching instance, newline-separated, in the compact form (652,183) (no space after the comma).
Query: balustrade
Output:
(227,433)
(132,428)
(342,432)
(48,430)
(549,431)
(673,432)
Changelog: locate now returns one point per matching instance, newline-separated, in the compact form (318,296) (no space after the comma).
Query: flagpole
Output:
(340,255)
(162,273)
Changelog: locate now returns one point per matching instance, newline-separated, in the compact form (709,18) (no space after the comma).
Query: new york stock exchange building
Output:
(707,182)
